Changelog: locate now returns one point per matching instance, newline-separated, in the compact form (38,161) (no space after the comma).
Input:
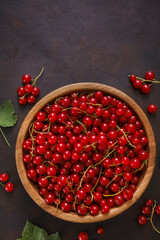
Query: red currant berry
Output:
(83,236)
(142,220)
(145,210)
(132,78)
(50,197)
(26,78)
(28,88)
(157,210)
(31,99)
(22,100)
(137,83)
(149,75)
(100,230)
(94,210)
(149,202)
(21,91)
(82,210)
(35,91)
(41,116)
(9,187)
(145,88)
(152,108)
(81,194)
(65,206)
(3,177)
(127,194)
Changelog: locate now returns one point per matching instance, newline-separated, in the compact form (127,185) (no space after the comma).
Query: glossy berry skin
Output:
(26,78)
(149,202)
(127,194)
(65,206)
(49,199)
(9,187)
(81,194)
(22,101)
(137,84)
(145,210)
(142,220)
(94,210)
(105,208)
(157,210)
(35,91)
(132,78)
(43,182)
(145,89)
(28,88)
(82,210)
(143,155)
(21,91)
(83,236)
(100,230)
(149,75)
(152,108)
(3,177)
(52,117)
(31,99)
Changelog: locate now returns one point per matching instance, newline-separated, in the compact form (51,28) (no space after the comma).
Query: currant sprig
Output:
(7,186)
(29,92)
(146,210)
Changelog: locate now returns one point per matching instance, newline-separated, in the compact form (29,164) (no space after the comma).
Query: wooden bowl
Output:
(83,87)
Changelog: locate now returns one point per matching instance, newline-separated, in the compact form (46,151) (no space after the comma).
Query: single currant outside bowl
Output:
(66,90)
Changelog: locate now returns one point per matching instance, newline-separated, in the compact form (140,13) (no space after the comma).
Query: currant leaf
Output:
(33,232)
(7,117)
(54,236)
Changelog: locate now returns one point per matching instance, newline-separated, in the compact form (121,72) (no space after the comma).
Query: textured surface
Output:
(87,40)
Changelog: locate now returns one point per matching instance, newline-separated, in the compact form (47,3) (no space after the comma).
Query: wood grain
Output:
(83,87)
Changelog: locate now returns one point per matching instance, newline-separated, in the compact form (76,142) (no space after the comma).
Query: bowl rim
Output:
(65,90)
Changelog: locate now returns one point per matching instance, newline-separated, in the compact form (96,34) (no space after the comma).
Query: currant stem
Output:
(126,137)
(151,219)
(97,180)
(38,76)
(145,80)
(2,185)
(84,174)
(112,195)
(83,126)
(5,137)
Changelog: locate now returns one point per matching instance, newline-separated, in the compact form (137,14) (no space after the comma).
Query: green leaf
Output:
(7,117)
(54,236)
(33,232)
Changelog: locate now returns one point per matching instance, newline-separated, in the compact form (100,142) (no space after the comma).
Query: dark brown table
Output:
(76,41)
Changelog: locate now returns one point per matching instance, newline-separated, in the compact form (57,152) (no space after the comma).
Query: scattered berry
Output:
(152,108)
(9,187)
(3,177)
(100,230)
(83,236)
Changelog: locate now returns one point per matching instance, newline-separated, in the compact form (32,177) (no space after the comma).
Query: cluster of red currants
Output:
(3,179)
(146,210)
(85,152)
(29,92)
(145,88)
(85,236)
